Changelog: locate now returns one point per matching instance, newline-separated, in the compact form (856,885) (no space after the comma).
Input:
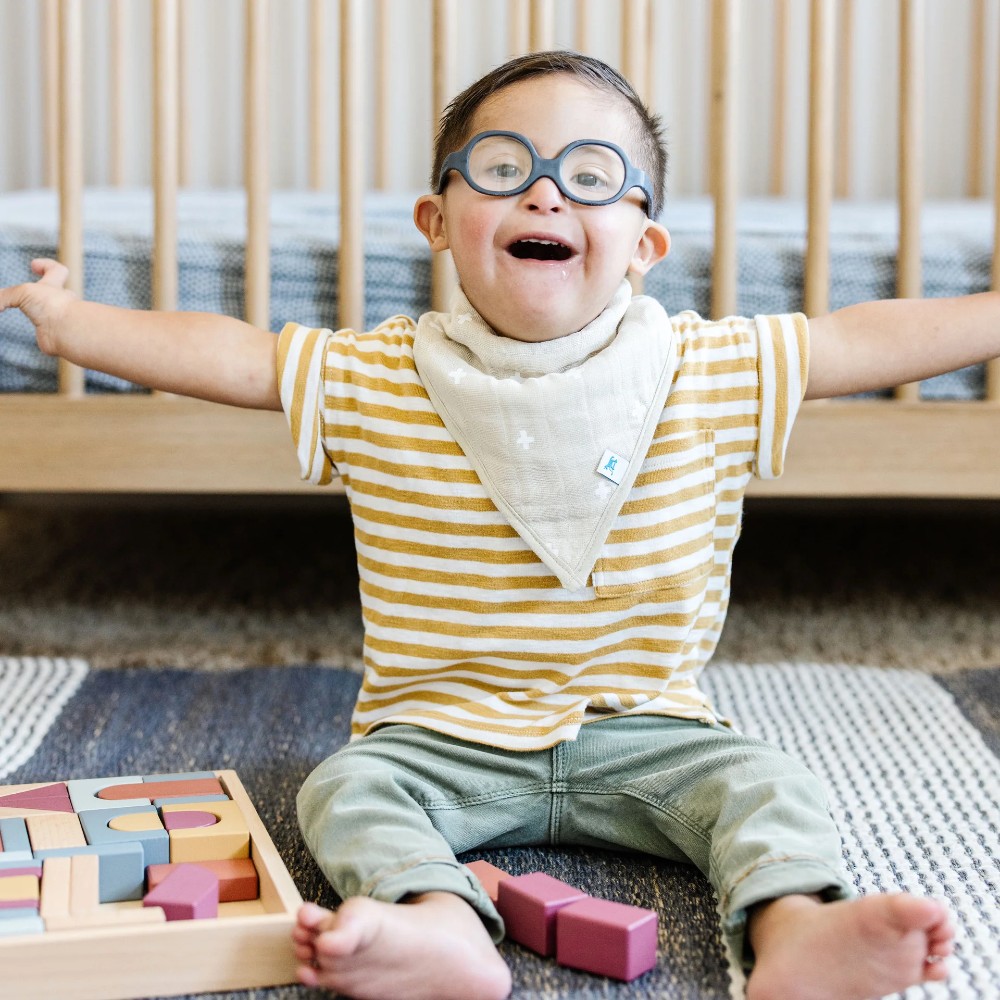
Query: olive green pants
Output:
(385,816)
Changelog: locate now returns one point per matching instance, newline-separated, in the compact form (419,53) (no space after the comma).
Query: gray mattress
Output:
(957,239)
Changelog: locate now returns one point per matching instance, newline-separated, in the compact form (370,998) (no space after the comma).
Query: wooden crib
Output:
(71,441)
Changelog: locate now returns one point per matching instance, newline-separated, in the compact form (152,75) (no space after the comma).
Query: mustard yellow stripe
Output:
(426,473)
(705,422)
(479,505)
(378,411)
(375,359)
(638,644)
(647,505)
(659,557)
(451,528)
(672,473)
(802,335)
(475,581)
(642,533)
(781,394)
(391,442)
(494,557)
(713,395)
(381,384)
(414,717)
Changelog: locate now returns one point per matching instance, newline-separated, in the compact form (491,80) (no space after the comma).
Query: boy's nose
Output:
(544,196)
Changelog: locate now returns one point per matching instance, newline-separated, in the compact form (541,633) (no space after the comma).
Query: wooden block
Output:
(107,917)
(12,912)
(83,792)
(237,877)
(179,776)
(529,904)
(189,892)
(229,838)
(28,923)
(608,938)
(136,822)
(21,868)
(120,868)
(188,820)
(489,876)
(52,797)
(189,800)
(19,888)
(84,891)
(155,843)
(55,888)
(16,845)
(55,830)
(161,789)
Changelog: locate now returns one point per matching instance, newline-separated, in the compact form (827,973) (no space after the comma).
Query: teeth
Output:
(544,243)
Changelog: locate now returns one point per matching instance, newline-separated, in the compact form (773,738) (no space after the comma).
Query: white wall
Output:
(214,41)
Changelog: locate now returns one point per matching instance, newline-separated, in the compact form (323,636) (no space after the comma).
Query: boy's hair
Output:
(456,122)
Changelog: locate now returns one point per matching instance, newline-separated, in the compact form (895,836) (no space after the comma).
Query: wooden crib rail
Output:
(356,110)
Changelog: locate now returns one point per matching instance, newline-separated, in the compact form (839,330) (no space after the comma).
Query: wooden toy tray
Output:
(247,946)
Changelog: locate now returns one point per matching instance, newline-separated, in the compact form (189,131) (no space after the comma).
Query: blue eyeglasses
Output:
(588,171)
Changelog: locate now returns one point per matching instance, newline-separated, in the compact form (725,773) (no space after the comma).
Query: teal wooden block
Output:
(121,868)
(16,845)
(83,793)
(17,912)
(155,843)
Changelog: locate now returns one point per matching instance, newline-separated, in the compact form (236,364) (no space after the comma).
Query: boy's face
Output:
(529,298)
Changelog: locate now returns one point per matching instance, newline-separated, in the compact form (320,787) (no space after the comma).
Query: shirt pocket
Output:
(664,536)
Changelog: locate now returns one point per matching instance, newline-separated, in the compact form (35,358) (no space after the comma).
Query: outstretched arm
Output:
(877,345)
(194,354)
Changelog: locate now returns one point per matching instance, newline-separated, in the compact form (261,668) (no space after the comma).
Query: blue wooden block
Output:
(31,924)
(16,845)
(121,868)
(28,866)
(83,793)
(155,843)
(190,798)
(17,912)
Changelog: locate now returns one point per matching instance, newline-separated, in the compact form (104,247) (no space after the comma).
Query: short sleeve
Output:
(301,363)
(782,368)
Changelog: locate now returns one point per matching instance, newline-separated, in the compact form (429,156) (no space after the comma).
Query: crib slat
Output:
(257,292)
(518,26)
(350,286)
(318,111)
(779,97)
(845,98)
(542,25)
(977,65)
(383,102)
(725,30)
(443,45)
(50,89)
(635,30)
(821,59)
(71,378)
(583,35)
(911,111)
(117,88)
(166,117)
(183,96)
(993,367)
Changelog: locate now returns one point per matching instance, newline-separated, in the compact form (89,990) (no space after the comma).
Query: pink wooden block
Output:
(528,905)
(188,820)
(611,939)
(489,876)
(189,892)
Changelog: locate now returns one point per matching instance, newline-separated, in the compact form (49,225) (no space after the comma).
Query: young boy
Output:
(546,483)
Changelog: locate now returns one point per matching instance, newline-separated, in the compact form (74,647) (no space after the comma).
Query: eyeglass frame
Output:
(541,166)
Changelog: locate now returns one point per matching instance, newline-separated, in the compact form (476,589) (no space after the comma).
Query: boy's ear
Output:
(428,215)
(653,246)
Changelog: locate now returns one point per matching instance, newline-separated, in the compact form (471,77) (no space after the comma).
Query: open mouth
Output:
(534,249)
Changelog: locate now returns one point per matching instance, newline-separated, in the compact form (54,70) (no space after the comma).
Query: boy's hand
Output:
(43,301)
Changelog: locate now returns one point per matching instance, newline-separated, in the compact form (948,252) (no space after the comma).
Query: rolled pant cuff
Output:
(771,879)
(440,876)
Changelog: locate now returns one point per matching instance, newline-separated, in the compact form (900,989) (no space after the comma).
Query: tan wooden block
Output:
(56,876)
(106,916)
(229,838)
(55,830)
(136,822)
(18,887)
(84,884)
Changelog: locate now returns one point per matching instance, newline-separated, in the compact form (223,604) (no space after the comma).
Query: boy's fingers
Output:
(51,272)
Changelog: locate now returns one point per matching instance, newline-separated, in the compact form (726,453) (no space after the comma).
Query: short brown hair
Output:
(456,122)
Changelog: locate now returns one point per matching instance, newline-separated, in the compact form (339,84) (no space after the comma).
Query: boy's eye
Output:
(591,181)
(506,171)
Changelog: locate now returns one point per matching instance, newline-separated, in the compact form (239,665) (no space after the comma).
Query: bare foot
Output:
(854,949)
(431,948)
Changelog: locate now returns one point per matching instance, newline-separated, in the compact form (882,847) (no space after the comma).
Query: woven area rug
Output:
(909,760)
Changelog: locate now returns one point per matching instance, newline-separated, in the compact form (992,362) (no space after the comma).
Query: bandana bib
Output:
(556,431)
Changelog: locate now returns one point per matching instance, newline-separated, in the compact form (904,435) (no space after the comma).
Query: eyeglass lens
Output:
(499,163)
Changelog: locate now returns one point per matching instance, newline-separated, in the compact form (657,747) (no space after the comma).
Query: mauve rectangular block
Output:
(610,939)
(529,904)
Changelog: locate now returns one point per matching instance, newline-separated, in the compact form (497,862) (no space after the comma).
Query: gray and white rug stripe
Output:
(33,691)
(914,788)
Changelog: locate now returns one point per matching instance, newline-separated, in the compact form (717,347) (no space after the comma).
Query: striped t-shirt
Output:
(467,632)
